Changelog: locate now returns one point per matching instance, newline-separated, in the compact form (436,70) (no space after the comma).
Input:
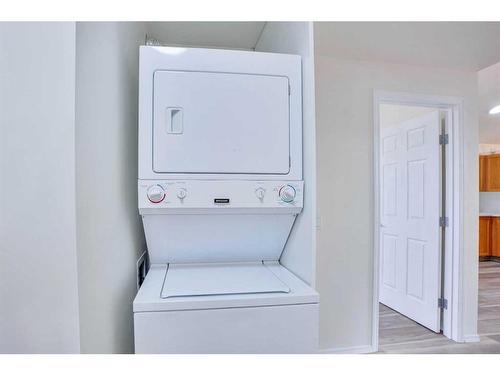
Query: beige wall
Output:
(344,122)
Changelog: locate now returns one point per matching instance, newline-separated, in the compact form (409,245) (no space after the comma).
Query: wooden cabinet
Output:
(489,237)
(495,237)
(482,172)
(485,236)
(489,226)
(489,172)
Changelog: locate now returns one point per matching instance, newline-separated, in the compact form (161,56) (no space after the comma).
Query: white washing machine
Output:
(220,186)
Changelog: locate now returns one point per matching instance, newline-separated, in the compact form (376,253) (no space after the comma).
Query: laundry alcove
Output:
(109,234)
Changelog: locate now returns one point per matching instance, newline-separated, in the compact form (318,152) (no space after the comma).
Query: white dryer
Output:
(220,185)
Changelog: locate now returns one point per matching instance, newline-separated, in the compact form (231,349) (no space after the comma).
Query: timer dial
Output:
(156,194)
(287,193)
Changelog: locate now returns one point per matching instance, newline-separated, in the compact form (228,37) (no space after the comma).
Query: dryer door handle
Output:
(175,120)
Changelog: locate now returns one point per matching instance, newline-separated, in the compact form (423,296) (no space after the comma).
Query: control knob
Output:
(260,192)
(287,193)
(181,193)
(156,194)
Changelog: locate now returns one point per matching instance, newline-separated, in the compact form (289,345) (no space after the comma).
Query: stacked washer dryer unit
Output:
(220,185)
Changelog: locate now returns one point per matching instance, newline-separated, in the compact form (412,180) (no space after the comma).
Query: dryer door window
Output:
(220,123)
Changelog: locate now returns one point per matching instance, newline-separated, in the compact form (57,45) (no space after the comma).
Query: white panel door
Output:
(221,123)
(410,253)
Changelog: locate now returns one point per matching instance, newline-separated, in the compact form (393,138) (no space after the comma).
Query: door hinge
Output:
(443,303)
(443,221)
(443,139)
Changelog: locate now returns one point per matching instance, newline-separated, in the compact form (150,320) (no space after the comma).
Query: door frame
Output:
(453,270)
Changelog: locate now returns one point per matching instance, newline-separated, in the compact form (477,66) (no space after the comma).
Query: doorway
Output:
(417,210)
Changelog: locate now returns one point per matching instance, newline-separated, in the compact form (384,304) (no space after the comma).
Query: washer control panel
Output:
(205,194)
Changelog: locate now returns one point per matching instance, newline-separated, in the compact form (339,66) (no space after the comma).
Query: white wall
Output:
(488,148)
(344,122)
(109,230)
(489,203)
(38,281)
(392,114)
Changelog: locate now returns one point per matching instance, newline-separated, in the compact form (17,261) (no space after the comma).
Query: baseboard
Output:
(362,349)
(471,338)
(489,258)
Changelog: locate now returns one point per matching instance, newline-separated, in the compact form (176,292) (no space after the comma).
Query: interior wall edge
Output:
(109,233)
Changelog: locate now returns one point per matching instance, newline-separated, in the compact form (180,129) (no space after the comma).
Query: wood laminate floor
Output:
(398,334)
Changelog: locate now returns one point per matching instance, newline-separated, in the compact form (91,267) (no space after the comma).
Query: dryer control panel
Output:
(178,195)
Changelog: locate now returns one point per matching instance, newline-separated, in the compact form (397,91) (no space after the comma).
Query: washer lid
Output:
(190,280)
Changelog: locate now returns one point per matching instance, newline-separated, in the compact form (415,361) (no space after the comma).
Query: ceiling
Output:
(234,35)
(457,45)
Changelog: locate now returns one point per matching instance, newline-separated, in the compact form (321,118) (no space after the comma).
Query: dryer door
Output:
(220,123)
